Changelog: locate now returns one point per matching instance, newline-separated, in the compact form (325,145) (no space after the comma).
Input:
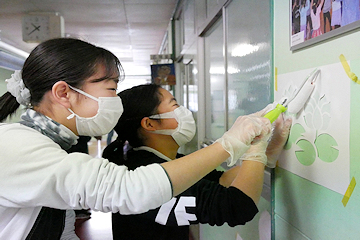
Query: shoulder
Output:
(26,146)
(4,127)
(18,133)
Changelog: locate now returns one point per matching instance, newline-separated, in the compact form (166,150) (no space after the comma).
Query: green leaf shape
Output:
(325,147)
(307,155)
(295,132)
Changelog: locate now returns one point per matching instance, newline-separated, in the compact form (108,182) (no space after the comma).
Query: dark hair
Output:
(60,59)
(314,6)
(138,102)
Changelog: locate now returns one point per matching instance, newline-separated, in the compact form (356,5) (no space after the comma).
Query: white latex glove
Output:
(237,140)
(278,139)
(257,151)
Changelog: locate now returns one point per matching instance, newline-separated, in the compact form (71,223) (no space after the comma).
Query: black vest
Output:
(49,224)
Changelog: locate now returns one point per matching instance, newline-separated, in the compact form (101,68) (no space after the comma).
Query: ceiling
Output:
(131,29)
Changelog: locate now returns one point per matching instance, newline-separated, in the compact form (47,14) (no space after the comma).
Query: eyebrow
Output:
(115,79)
(173,99)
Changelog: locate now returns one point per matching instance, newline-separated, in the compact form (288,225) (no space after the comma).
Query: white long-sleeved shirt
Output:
(36,172)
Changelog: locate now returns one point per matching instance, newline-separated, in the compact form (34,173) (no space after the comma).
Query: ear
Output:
(60,92)
(148,124)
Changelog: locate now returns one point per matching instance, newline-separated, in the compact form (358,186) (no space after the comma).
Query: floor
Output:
(98,226)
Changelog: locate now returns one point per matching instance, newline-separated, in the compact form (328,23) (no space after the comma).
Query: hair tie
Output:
(16,87)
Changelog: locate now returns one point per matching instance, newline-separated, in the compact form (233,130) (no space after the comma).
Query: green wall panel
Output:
(303,209)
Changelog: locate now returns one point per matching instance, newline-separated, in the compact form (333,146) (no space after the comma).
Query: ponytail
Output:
(138,102)
(8,106)
(114,152)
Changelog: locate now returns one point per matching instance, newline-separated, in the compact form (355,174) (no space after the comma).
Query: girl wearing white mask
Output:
(155,126)
(69,88)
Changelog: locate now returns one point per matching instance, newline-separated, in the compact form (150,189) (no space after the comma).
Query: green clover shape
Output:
(296,131)
(307,155)
(325,147)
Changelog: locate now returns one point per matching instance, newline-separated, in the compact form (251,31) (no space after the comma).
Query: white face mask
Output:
(107,116)
(186,128)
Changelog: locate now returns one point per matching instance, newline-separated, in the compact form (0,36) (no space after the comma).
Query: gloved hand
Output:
(257,150)
(278,139)
(237,140)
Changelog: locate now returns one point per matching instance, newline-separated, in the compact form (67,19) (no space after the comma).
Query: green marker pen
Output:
(275,113)
(297,102)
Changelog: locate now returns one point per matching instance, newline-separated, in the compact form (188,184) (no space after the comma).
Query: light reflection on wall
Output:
(193,98)
(233,100)
(234,70)
(244,49)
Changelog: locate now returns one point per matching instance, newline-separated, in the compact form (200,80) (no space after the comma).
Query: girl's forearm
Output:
(228,177)
(250,179)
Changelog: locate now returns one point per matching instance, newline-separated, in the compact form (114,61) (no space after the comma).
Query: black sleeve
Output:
(216,204)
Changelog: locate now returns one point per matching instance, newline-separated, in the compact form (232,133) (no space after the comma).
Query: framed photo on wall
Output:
(163,74)
(312,21)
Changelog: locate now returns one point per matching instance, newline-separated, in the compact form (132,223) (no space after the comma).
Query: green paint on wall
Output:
(307,155)
(354,123)
(325,147)
(296,132)
(315,211)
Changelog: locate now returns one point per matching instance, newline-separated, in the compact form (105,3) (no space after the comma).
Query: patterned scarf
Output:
(48,127)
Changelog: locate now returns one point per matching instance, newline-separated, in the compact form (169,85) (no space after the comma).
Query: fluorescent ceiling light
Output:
(13,50)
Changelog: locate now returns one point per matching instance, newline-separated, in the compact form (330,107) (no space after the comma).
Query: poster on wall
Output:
(312,21)
(318,145)
(163,74)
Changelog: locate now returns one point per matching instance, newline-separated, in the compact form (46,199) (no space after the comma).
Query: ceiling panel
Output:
(131,29)
(151,12)
(89,12)
(172,2)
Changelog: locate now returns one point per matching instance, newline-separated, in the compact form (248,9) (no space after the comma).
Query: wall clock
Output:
(38,27)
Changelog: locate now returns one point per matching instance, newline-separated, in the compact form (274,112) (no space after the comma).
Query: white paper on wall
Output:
(238,237)
(318,145)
